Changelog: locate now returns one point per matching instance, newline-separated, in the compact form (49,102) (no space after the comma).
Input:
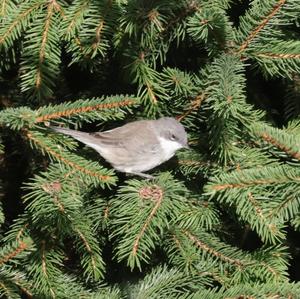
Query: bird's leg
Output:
(143,175)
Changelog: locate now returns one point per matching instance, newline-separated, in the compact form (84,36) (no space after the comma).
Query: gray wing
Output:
(123,147)
(128,145)
(135,137)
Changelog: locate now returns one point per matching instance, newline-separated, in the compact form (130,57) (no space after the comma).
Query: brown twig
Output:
(152,192)
(263,23)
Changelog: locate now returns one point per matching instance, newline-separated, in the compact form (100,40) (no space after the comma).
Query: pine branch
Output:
(287,144)
(74,18)
(251,191)
(88,172)
(15,250)
(262,291)
(87,108)
(210,25)
(89,249)
(282,57)
(160,201)
(13,27)
(44,270)
(12,282)
(81,110)
(163,283)
(229,111)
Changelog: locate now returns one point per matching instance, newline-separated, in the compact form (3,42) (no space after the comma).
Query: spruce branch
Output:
(41,53)
(256,20)
(206,248)
(12,282)
(286,143)
(91,32)
(105,109)
(200,213)
(55,206)
(193,163)
(211,26)
(89,172)
(44,270)
(13,27)
(15,250)
(263,176)
(89,109)
(145,216)
(229,111)
(90,251)
(270,193)
(281,59)
(263,291)
(74,17)
(147,79)
(54,198)
(198,251)
(163,283)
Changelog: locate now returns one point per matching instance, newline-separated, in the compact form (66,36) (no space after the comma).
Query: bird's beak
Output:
(186,146)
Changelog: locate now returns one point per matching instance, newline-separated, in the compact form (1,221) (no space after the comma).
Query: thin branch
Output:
(281,206)
(249,184)
(52,6)
(195,105)
(17,20)
(98,35)
(256,206)
(21,231)
(70,112)
(278,56)
(44,267)
(88,248)
(152,192)
(83,6)
(22,246)
(212,251)
(282,147)
(151,93)
(65,160)
(263,23)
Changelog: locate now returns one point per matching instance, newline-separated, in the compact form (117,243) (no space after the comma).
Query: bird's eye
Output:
(173,137)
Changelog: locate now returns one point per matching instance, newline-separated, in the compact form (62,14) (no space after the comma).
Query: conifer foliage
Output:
(78,229)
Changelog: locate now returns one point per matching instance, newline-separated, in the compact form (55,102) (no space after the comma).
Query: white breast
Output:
(169,148)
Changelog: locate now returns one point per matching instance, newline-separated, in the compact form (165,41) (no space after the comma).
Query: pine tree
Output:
(79,229)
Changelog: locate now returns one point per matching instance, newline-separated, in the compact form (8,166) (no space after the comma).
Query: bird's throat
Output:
(169,147)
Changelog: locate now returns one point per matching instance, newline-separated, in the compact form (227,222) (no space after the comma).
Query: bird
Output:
(137,146)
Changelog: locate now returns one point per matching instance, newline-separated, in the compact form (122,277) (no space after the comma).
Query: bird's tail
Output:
(83,137)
